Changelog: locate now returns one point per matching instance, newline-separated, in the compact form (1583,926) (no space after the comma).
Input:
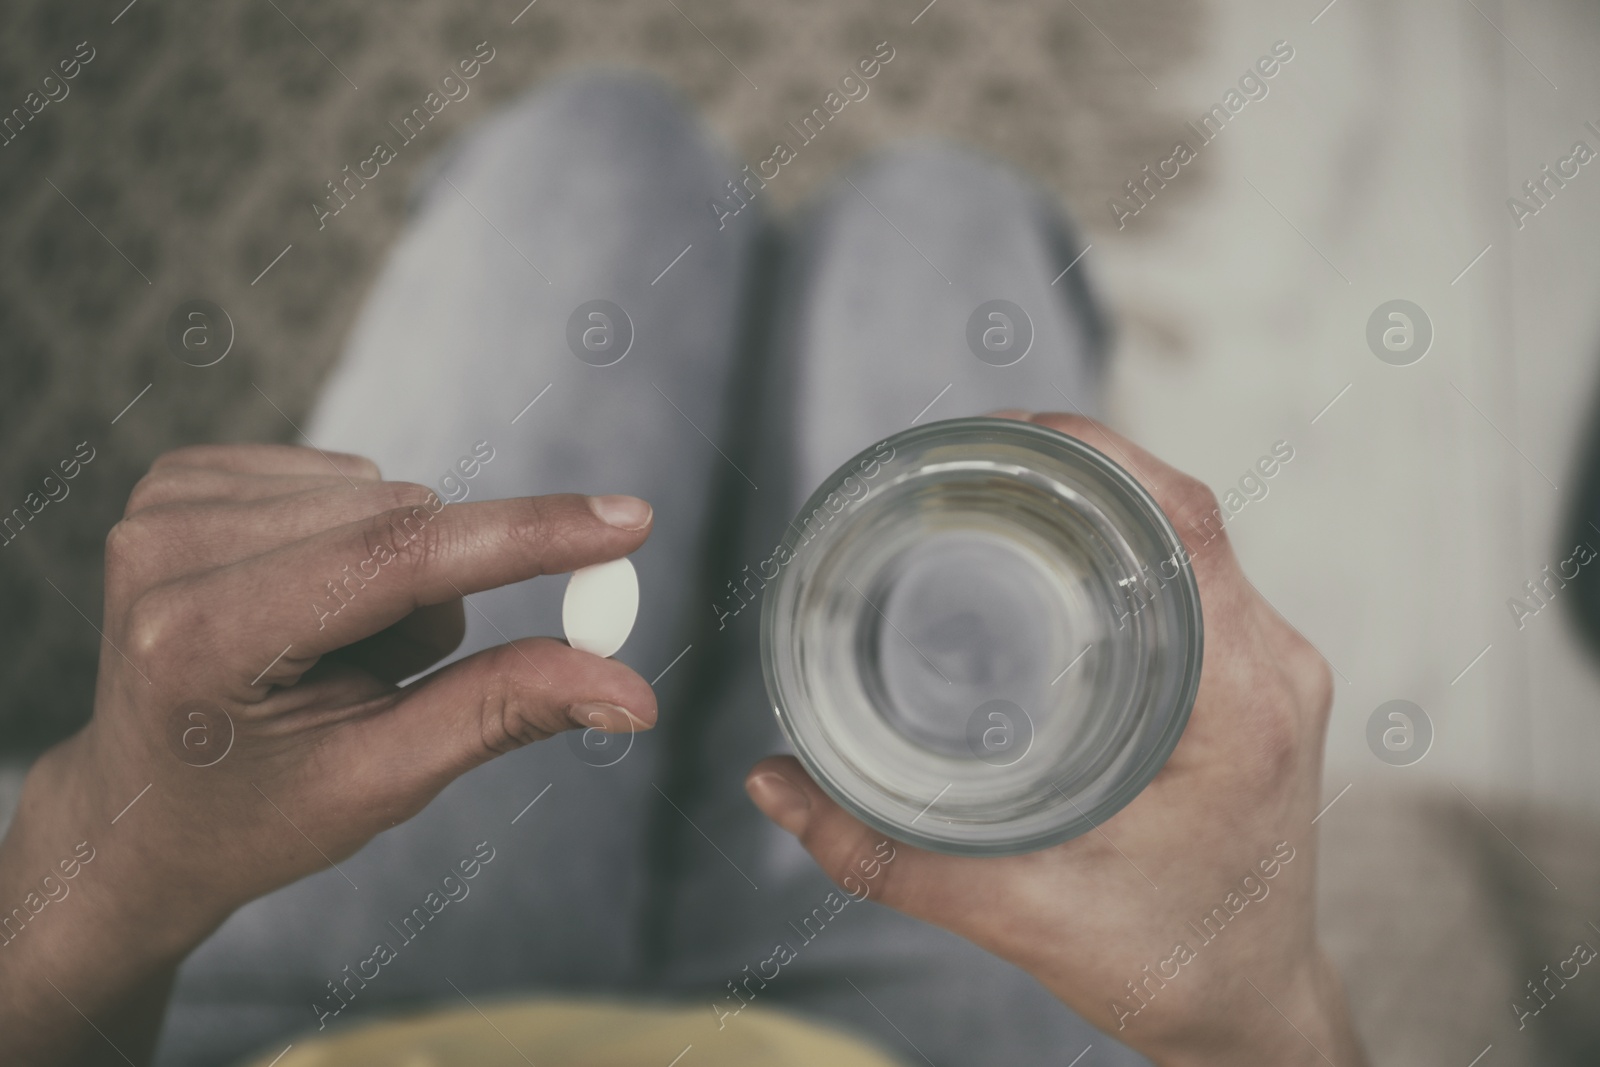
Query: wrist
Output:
(89,885)
(1299,1018)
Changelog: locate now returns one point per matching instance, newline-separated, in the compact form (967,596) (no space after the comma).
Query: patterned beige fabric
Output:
(197,140)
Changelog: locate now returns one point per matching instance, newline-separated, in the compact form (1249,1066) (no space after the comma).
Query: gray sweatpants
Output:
(746,362)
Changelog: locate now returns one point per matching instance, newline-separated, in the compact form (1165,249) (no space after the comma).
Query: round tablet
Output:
(601,603)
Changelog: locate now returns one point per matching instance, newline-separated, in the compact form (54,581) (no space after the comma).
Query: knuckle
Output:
(1322,689)
(185,456)
(410,533)
(1308,675)
(1071,424)
(1197,515)
(155,488)
(144,549)
(1193,499)
(403,496)
(126,544)
(357,465)
(152,625)
(540,531)
(508,715)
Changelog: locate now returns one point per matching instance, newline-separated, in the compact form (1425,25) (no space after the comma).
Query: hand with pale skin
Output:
(1090,916)
(219,618)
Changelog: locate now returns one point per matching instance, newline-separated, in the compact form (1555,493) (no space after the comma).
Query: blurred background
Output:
(1421,497)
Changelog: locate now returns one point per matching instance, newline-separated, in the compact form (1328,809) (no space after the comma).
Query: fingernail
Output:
(784,802)
(623,512)
(1009,413)
(607,717)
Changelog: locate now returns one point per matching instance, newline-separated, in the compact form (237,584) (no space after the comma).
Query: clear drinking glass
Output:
(984,636)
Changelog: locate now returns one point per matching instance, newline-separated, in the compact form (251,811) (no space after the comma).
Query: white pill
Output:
(600,606)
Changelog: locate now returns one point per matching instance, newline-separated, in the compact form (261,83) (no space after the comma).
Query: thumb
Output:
(844,847)
(492,702)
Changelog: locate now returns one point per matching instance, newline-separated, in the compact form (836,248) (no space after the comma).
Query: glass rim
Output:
(1046,440)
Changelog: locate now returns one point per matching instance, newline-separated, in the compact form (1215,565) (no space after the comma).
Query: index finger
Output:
(349,582)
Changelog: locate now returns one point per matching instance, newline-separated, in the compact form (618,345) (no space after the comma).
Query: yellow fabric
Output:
(577,1033)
